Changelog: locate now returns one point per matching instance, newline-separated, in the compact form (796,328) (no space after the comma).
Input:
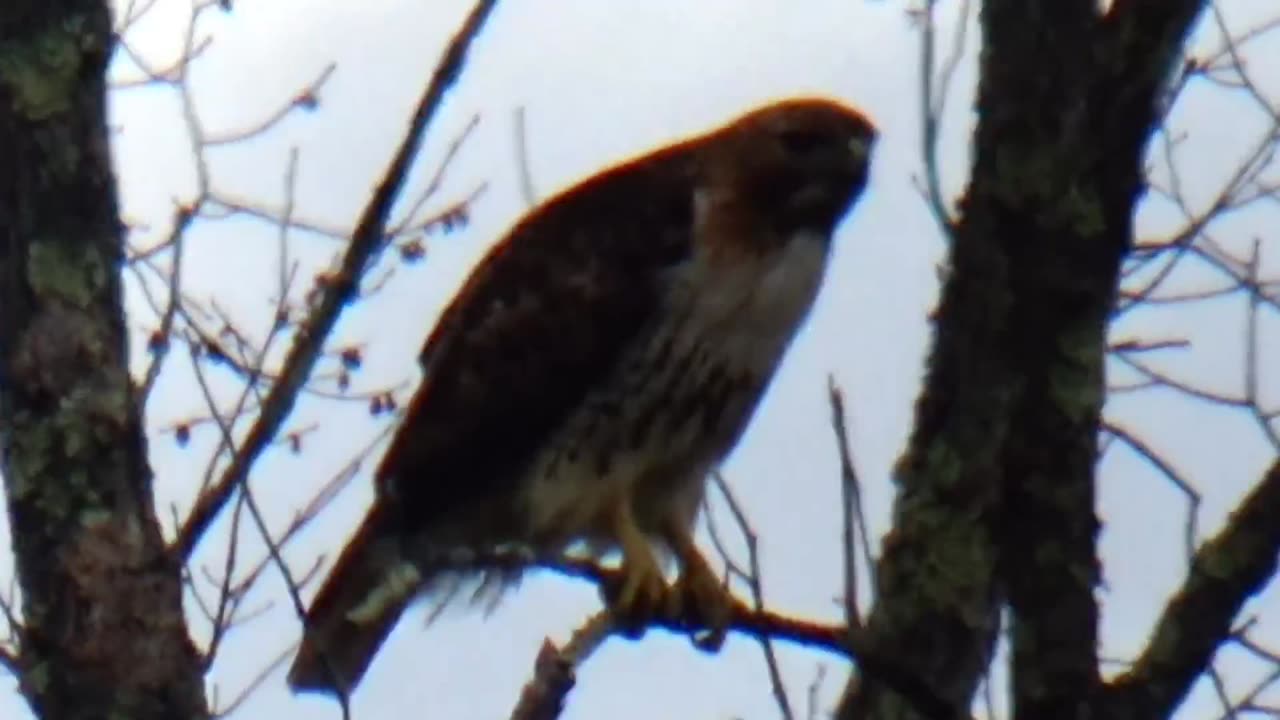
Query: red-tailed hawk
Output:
(599,362)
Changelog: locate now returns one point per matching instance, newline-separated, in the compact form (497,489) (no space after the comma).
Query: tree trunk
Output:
(996,489)
(103,633)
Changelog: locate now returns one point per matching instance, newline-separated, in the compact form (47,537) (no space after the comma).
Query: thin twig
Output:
(527,189)
(756,585)
(851,510)
(932,105)
(305,99)
(815,688)
(437,179)
(182,217)
(227,599)
(256,683)
(366,244)
(1191,531)
(273,547)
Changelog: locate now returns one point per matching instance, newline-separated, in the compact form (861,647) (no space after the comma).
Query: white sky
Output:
(601,81)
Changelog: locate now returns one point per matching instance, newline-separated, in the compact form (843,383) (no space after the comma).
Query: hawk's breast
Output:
(752,306)
(682,394)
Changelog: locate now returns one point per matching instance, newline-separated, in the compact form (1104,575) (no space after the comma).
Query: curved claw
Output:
(641,596)
(703,600)
(643,590)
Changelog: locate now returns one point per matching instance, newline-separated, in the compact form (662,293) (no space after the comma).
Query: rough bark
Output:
(1226,571)
(103,632)
(996,498)
(1036,182)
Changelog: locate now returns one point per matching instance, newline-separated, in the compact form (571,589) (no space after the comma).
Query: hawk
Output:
(600,361)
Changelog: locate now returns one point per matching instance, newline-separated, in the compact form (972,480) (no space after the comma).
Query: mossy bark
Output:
(1227,570)
(996,497)
(103,632)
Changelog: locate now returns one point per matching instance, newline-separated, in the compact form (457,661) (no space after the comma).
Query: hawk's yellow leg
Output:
(644,589)
(699,595)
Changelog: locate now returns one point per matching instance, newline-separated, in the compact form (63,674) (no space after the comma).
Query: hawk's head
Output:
(801,163)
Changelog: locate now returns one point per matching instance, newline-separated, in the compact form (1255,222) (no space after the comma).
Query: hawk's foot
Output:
(637,598)
(640,597)
(701,599)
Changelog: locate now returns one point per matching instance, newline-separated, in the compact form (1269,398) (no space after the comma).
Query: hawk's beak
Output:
(860,149)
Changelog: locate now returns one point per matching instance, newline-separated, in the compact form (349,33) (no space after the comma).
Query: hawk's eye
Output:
(801,142)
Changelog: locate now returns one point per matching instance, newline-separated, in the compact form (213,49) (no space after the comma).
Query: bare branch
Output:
(1226,571)
(182,218)
(273,548)
(933,103)
(836,639)
(306,99)
(433,185)
(253,685)
(756,585)
(815,686)
(544,695)
(851,511)
(366,243)
(527,189)
(1191,533)
(1147,36)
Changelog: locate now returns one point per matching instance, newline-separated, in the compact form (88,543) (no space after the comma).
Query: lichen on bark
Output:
(103,634)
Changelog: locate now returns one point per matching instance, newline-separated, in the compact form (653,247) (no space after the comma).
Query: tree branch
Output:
(1062,235)
(103,632)
(853,519)
(1227,571)
(367,242)
(1146,36)
(544,695)
(883,666)
(755,583)
(1140,46)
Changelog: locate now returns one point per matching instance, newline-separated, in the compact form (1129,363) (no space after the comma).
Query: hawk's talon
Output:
(640,597)
(702,601)
(643,589)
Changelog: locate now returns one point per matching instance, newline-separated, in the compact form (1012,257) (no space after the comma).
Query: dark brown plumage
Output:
(598,363)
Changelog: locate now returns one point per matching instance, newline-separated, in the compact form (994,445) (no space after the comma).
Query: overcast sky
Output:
(599,82)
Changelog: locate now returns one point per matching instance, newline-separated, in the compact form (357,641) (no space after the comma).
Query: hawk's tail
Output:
(361,600)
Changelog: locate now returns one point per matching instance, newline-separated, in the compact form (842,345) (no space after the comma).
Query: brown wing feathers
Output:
(544,322)
(543,318)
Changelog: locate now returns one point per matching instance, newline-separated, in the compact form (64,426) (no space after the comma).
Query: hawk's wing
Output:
(542,320)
